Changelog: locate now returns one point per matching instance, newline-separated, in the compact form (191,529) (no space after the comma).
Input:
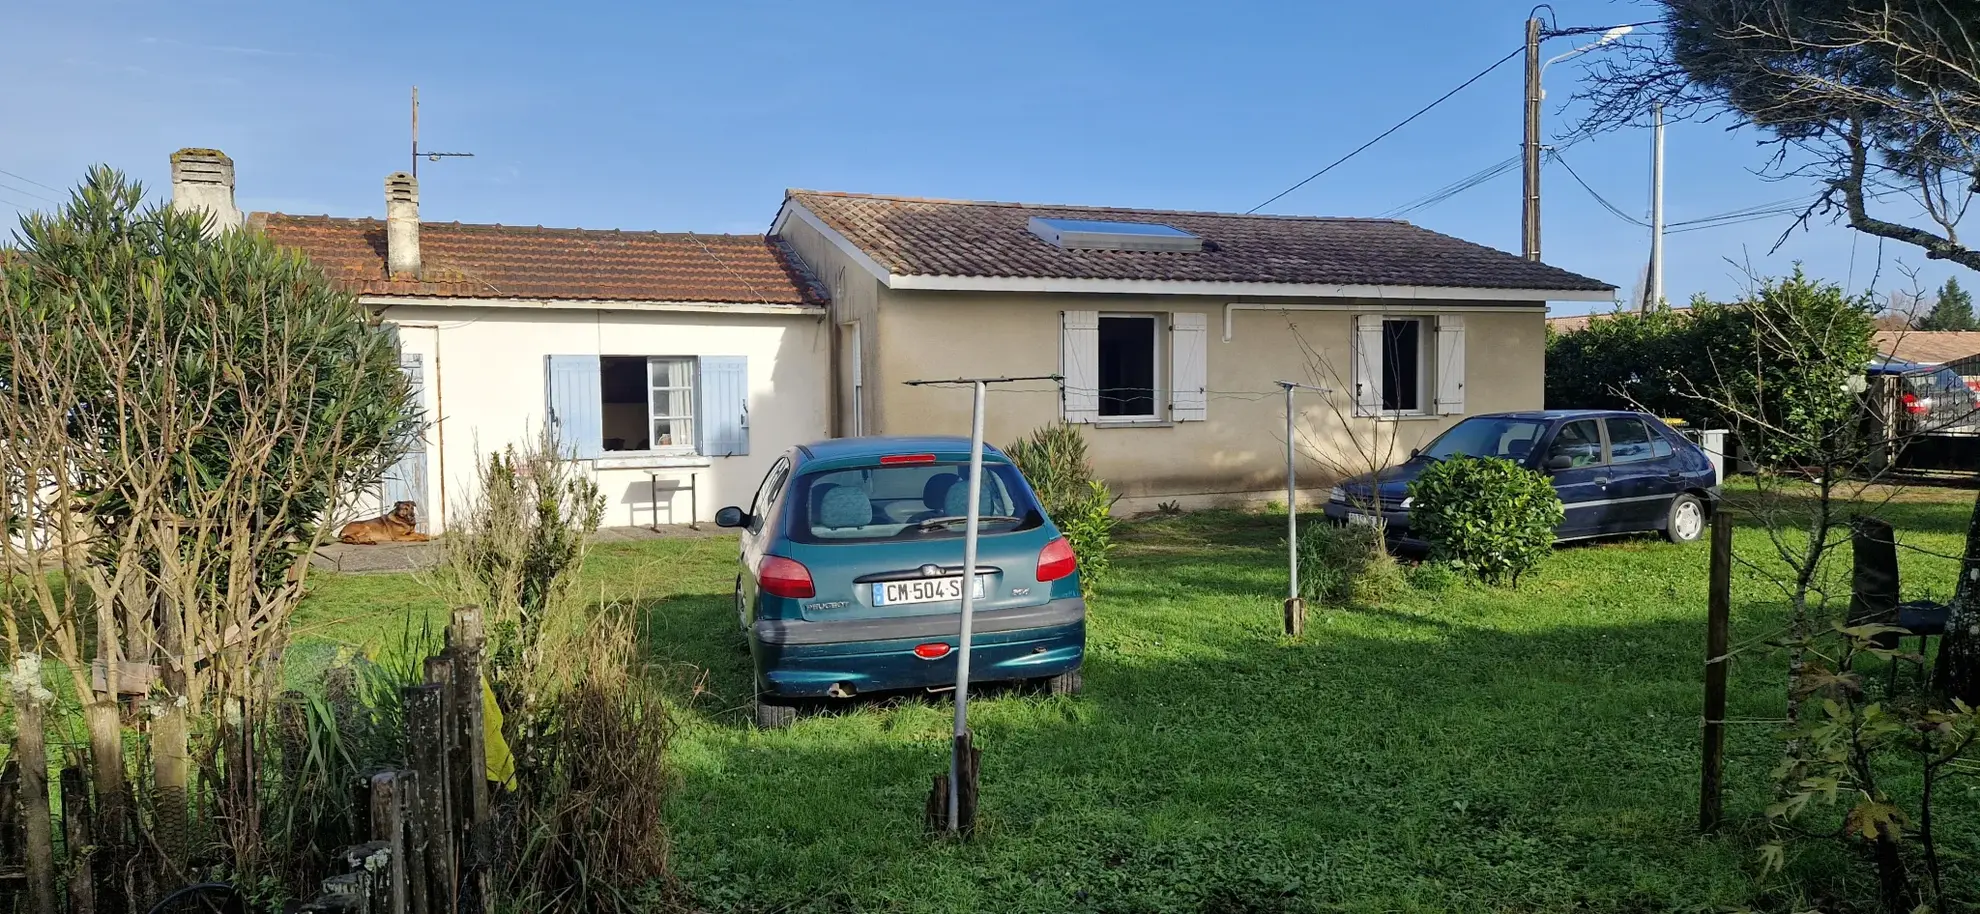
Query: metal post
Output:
(1656,210)
(694,501)
(1292,508)
(1530,149)
(653,494)
(975,484)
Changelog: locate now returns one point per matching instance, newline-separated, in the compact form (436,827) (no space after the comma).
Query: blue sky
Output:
(676,116)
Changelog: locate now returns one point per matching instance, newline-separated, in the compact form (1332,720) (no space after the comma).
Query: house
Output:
(675,366)
(1171,330)
(1955,349)
(1569,323)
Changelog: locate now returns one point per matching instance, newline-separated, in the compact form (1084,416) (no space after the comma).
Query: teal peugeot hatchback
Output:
(852,575)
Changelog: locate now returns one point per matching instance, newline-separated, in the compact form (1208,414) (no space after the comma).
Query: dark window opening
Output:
(647,402)
(1402,365)
(1127,366)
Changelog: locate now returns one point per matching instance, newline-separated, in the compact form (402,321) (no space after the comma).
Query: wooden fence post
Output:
(1718,623)
(388,827)
(426,739)
(32,751)
(467,694)
(76,831)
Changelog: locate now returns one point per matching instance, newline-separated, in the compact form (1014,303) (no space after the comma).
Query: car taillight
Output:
(1056,560)
(782,577)
(1913,405)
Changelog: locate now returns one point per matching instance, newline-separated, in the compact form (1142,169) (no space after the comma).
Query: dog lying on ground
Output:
(395,526)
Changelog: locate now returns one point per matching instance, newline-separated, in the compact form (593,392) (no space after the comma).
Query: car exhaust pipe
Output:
(841,690)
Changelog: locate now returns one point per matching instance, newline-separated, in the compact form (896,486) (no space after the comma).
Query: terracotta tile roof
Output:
(1929,347)
(1571,322)
(511,261)
(913,236)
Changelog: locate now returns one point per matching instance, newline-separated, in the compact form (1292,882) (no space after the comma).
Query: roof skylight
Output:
(1094,235)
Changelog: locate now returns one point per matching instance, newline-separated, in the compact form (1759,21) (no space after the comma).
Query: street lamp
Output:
(1607,37)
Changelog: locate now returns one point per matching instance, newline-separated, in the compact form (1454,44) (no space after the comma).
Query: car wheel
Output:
(774,715)
(1686,523)
(1069,682)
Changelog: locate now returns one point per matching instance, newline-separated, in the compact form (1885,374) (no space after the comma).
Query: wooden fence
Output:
(431,843)
(429,822)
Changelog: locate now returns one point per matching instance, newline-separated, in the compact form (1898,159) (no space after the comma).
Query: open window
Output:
(659,405)
(1408,365)
(648,403)
(1127,361)
(1134,368)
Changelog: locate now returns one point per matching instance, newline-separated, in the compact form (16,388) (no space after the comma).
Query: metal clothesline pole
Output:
(959,746)
(1295,608)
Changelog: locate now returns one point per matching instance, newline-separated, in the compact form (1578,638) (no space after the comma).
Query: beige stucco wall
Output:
(1238,453)
(485,389)
(855,304)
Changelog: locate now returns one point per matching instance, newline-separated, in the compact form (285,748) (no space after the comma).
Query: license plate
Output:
(1363,520)
(925,590)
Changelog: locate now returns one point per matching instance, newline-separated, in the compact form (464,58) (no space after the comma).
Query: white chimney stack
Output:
(401,226)
(203,179)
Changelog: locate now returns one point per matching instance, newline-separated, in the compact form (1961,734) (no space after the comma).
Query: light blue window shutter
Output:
(724,418)
(575,406)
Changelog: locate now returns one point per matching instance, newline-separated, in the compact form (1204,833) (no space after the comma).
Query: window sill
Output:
(1134,423)
(646,461)
(1402,417)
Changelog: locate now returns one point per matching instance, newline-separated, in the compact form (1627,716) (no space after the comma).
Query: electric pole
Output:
(1530,211)
(1656,297)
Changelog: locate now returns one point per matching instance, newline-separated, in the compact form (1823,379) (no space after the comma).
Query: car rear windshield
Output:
(1483,436)
(913,501)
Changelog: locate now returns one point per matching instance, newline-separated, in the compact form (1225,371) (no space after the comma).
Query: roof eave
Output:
(594,304)
(924,282)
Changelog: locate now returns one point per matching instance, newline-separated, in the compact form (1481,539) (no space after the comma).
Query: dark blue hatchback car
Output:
(852,575)
(1616,472)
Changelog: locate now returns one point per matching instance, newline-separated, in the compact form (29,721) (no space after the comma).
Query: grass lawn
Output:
(1479,750)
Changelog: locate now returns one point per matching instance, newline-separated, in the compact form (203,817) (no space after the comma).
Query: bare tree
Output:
(1875,99)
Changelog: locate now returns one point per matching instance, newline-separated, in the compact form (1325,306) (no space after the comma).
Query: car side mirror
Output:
(1415,452)
(731,516)
(1559,462)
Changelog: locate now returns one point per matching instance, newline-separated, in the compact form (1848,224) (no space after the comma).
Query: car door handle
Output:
(1603,482)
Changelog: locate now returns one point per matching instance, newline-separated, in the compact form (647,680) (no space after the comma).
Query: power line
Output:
(29,180)
(23,190)
(1612,208)
(14,204)
(1384,134)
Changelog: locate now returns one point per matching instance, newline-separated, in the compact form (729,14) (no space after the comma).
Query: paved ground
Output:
(400,557)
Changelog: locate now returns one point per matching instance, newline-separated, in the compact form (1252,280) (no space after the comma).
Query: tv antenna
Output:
(431,156)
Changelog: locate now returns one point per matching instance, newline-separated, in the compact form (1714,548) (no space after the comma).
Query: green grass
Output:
(1480,750)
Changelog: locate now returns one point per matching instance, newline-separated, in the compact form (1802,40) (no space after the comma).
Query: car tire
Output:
(774,715)
(1686,521)
(1067,683)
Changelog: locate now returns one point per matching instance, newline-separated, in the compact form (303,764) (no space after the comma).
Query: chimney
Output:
(203,179)
(401,226)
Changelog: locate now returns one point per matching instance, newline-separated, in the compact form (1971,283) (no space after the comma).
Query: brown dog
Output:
(396,526)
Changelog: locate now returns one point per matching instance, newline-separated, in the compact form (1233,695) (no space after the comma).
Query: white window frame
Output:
(1426,352)
(1159,400)
(653,416)
(693,391)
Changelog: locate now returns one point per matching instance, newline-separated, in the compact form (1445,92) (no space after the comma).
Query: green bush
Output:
(1490,518)
(1346,566)
(1053,460)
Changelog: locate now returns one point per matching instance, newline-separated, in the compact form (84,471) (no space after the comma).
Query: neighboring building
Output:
(1958,350)
(677,366)
(1569,323)
(1170,331)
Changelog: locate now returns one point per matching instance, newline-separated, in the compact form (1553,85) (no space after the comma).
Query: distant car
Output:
(1616,472)
(1936,401)
(852,575)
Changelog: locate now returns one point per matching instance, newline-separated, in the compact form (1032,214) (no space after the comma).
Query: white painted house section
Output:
(487,385)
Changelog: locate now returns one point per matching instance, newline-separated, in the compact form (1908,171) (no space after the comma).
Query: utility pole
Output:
(1530,149)
(1656,297)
